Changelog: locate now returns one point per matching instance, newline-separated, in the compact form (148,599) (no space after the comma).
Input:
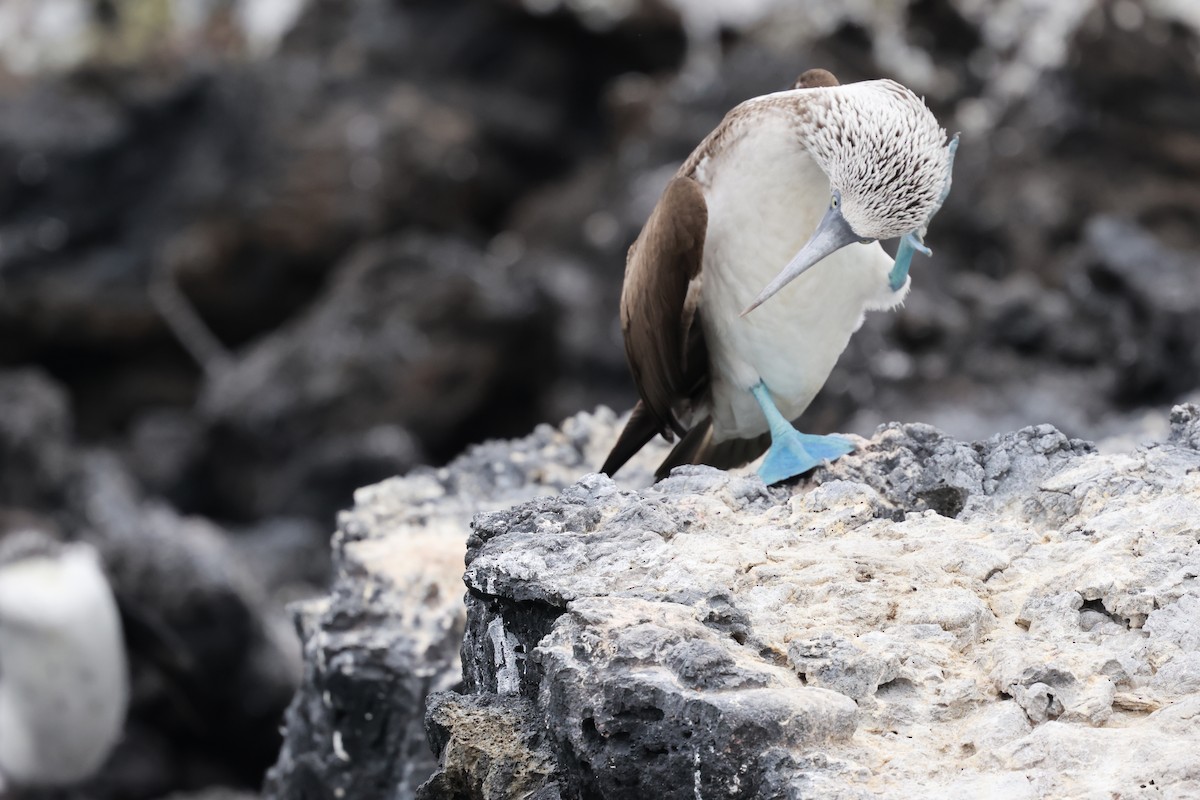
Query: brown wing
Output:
(663,342)
(654,316)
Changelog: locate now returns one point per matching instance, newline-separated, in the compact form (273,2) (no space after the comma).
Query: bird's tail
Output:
(641,428)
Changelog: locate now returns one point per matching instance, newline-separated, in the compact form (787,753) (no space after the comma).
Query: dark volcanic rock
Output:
(204,203)
(210,674)
(503,753)
(1185,425)
(419,329)
(355,727)
(1151,333)
(244,182)
(35,440)
(610,676)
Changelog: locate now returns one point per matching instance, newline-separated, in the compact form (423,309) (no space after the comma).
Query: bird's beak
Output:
(831,235)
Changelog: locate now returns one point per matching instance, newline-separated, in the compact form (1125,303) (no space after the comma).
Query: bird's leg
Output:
(909,244)
(792,452)
(913,240)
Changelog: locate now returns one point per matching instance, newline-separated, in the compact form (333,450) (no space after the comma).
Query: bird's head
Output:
(888,164)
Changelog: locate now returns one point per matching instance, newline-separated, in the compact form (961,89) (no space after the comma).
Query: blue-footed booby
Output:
(759,261)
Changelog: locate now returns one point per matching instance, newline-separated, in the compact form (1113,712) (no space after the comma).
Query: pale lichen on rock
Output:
(926,617)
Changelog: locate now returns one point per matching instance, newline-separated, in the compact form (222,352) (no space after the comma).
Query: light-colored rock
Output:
(1029,639)
(924,618)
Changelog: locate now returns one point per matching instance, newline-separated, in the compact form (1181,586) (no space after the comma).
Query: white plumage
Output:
(763,210)
(768,236)
(760,215)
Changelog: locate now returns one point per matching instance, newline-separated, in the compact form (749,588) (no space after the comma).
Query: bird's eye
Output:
(865,241)
(833,201)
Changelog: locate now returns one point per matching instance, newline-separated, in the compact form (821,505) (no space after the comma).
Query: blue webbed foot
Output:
(793,453)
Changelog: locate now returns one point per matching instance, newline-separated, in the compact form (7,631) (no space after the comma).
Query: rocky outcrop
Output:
(211,667)
(925,617)
(523,145)
(390,632)
(261,253)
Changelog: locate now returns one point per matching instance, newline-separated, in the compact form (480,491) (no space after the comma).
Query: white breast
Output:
(765,199)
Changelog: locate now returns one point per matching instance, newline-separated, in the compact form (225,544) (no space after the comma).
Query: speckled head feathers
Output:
(882,149)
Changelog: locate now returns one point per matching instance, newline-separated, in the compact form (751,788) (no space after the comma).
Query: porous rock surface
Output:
(389,632)
(924,618)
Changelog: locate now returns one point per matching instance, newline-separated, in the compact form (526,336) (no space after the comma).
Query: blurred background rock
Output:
(257,253)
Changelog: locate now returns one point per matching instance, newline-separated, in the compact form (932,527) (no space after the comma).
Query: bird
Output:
(64,683)
(760,260)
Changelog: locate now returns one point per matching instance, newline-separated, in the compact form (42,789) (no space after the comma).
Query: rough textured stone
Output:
(490,747)
(35,439)
(391,629)
(917,467)
(1185,426)
(842,636)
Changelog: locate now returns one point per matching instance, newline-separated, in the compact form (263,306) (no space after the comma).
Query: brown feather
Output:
(641,428)
(661,265)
